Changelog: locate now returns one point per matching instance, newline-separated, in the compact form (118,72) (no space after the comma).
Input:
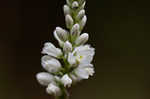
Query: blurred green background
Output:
(119,30)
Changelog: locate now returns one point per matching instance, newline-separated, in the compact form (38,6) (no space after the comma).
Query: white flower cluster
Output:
(72,62)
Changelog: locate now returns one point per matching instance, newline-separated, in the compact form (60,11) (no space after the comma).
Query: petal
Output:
(66,80)
(86,59)
(51,50)
(82,73)
(44,78)
(84,54)
(53,89)
(85,50)
(90,71)
(82,65)
(50,64)
(71,58)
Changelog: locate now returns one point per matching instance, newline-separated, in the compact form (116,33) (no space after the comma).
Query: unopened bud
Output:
(66,9)
(81,14)
(62,34)
(50,64)
(83,22)
(67,47)
(44,78)
(51,50)
(82,39)
(75,4)
(75,31)
(69,21)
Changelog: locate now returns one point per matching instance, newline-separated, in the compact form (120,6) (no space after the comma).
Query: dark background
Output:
(119,30)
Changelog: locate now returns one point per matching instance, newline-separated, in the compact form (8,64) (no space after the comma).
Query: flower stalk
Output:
(64,95)
(71,62)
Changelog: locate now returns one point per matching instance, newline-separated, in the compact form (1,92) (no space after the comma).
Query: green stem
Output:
(64,94)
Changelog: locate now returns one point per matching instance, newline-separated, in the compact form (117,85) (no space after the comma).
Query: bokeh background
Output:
(119,30)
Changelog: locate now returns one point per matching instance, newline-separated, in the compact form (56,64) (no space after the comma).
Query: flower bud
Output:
(53,89)
(81,14)
(69,21)
(67,47)
(61,43)
(75,4)
(75,31)
(66,80)
(66,9)
(82,39)
(50,64)
(51,50)
(61,33)
(44,78)
(83,22)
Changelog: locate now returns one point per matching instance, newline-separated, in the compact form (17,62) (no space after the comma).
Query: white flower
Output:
(51,50)
(82,39)
(67,47)
(44,78)
(53,89)
(66,80)
(50,64)
(83,54)
(83,71)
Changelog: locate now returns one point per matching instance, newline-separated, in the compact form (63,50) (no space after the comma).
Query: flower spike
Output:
(71,62)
